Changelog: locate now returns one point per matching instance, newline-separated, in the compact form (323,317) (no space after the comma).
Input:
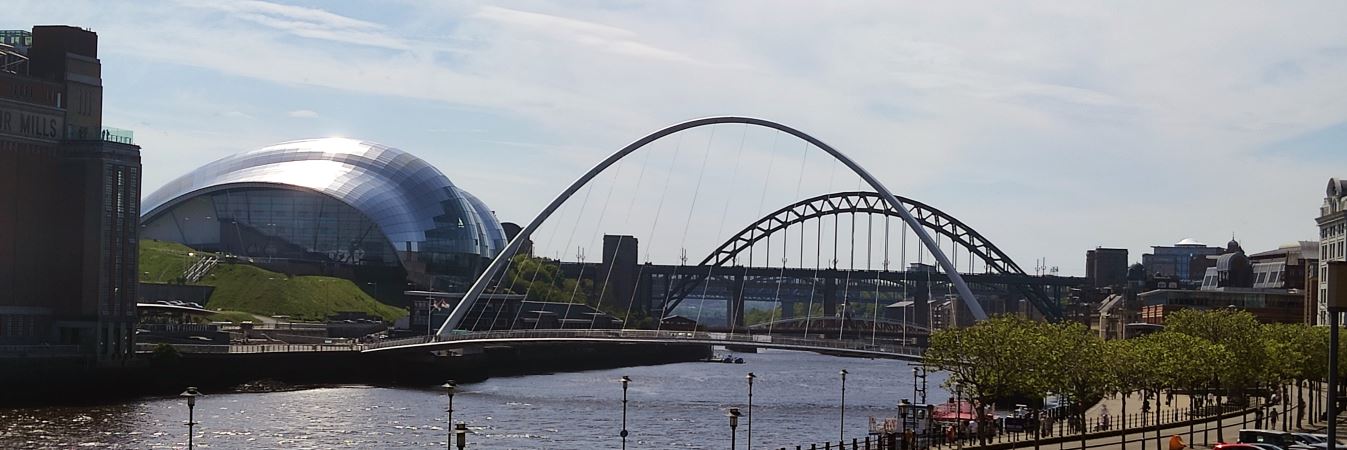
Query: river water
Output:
(674,406)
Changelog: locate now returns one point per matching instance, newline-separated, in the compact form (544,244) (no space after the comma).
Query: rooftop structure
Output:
(335,206)
(1186,260)
(1332,223)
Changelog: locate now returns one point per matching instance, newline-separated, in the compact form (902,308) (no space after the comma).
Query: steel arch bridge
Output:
(863,202)
(470,298)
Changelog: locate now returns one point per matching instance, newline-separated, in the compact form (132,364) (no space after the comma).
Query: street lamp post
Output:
(842,418)
(902,415)
(750,378)
(734,423)
(958,413)
(191,394)
(462,432)
(449,387)
(625,380)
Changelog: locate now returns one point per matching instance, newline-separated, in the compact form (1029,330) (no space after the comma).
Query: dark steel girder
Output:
(862,202)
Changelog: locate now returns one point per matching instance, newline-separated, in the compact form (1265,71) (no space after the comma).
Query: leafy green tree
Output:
(1239,333)
(1129,371)
(1297,354)
(1171,360)
(999,358)
(1079,366)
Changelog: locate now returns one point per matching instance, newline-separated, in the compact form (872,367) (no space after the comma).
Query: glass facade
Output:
(333,206)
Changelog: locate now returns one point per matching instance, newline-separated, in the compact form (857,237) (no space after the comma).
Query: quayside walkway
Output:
(1107,429)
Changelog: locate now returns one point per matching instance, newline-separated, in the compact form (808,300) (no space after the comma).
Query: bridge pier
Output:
(922,304)
(787,310)
(734,308)
(829,296)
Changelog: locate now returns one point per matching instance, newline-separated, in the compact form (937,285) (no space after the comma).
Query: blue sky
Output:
(1050,127)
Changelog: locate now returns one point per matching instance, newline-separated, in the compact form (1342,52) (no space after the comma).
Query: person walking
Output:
(1272,418)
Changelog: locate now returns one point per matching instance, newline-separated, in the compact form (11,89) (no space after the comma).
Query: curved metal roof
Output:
(1337,188)
(401,193)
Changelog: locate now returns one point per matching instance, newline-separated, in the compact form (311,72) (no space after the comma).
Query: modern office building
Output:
(1106,267)
(1269,284)
(1286,267)
(1186,260)
(1332,238)
(68,202)
(341,207)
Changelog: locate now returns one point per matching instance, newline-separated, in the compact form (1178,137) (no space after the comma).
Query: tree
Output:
(1130,372)
(999,358)
(1238,332)
(1170,360)
(1079,366)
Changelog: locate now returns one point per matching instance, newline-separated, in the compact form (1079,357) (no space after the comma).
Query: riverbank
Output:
(51,381)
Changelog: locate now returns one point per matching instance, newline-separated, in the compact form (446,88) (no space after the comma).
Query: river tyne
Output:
(796,400)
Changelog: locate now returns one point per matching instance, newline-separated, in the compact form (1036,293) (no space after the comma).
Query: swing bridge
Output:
(858,272)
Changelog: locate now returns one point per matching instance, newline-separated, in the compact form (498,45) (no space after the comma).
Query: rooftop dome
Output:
(419,214)
(1189,242)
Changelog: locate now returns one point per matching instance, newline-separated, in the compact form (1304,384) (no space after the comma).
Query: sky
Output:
(1049,127)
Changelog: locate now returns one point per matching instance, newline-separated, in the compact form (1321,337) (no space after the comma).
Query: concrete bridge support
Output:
(921,295)
(734,311)
(830,297)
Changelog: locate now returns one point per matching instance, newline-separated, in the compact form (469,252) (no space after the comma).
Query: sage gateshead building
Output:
(340,207)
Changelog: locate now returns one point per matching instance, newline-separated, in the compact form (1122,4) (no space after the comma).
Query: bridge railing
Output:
(667,335)
(253,348)
(398,342)
(701,337)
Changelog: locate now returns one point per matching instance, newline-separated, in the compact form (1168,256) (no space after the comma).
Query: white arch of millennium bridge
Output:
(446,334)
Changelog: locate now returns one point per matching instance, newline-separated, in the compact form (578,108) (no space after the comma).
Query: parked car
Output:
(1236,446)
(1281,439)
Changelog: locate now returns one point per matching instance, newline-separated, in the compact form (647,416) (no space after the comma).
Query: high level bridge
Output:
(815,274)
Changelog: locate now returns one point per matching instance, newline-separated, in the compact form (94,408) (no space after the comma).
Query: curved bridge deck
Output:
(853,348)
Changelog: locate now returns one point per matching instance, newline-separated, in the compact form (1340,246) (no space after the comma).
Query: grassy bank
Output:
(251,289)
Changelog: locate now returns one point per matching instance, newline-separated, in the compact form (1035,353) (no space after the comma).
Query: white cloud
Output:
(1051,127)
(302,114)
(306,22)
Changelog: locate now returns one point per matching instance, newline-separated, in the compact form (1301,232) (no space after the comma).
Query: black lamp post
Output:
(750,378)
(449,387)
(842,418)
(461,431)
(734,423)
(625,380)
(191,394)
(958,413)
(902,413)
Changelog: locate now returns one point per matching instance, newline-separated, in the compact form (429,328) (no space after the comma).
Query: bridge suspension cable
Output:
(471,297)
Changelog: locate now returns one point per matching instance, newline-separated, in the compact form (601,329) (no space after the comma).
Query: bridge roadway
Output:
(853,348)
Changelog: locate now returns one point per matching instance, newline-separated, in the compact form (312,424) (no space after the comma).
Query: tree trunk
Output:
(1084,427)
(1123,415)
(1220,428)
(981,411)
(1143,420)
(1158,439)
(1191,408)
(1300,403)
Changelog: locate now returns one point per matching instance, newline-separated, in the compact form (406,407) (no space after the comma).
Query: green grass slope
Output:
(164,262)
(247,288)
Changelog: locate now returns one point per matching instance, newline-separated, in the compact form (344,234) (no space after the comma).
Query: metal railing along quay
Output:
(714,338)
(661,336)
(254,348)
